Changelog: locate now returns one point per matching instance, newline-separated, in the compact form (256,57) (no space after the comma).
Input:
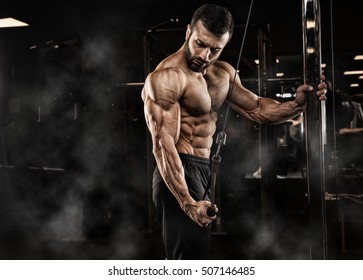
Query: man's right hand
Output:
(197,211)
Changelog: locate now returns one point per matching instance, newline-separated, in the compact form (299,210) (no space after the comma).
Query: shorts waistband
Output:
(193,158)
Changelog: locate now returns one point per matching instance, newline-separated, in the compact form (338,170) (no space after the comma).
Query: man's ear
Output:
(188,32)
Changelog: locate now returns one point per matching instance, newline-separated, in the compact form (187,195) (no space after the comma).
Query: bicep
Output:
(161,93)
(243,101)
(163,121)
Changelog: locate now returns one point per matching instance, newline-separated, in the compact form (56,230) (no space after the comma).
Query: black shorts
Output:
(183,238)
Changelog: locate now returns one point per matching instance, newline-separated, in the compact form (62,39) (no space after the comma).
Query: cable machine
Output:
(314,126)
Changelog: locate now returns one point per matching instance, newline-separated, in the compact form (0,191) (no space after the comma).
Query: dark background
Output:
(75,160)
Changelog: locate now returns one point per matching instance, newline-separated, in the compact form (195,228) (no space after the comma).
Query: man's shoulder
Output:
(168,70)
(166,81)
(171,63)
(166,76)
(220,69)
(220,64)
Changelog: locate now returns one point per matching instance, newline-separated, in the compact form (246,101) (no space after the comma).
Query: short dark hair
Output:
(216,19)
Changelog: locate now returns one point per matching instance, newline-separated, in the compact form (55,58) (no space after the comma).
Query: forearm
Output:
(270,111)
(172,171)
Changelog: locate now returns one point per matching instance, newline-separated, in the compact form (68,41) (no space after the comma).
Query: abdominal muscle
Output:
(196,135)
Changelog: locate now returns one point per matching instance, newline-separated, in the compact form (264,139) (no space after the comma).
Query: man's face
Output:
(202,47)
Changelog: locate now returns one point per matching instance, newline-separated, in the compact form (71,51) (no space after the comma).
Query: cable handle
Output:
(221,140)
(216,160)
(211,212)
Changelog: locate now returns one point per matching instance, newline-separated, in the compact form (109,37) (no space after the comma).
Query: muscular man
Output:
(181,100)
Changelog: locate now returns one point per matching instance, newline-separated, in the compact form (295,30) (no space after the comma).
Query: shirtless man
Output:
(181,101)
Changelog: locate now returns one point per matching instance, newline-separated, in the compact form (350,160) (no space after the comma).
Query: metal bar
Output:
(131,84)
(314,126)
(22,168)
(267,154)
(290,79)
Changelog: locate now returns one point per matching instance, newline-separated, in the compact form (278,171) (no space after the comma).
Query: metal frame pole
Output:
(267,143)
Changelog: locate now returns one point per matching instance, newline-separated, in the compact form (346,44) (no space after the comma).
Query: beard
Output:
(195,63)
